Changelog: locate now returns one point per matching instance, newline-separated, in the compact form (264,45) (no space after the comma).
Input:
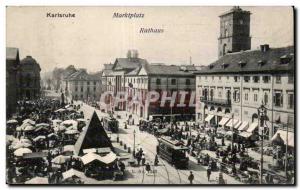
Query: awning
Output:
(224,120)
(252,127)
(71,173)
(232,122)
(35,155)
(283,134)
(245,134)
(209,117)
(244,126)
(107,159)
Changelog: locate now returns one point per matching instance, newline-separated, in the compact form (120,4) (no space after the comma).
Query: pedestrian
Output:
(191,177)
(156,160)
(143,159)
(148,168)
(208,173)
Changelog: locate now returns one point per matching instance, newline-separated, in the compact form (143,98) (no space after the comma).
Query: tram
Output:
(173,151)
(111,124)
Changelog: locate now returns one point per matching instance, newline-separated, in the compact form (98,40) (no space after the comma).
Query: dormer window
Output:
(211,66)
(242,63)
(285,59)
(225,65)
(261,62)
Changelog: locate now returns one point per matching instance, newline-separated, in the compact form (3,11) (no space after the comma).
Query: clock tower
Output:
(234,31)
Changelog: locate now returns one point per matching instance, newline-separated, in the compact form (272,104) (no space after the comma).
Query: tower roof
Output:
(234,9)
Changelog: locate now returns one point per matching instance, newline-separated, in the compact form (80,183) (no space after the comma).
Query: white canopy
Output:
(283,134)
(38,180)
(232,122)
(209,117)
(71,173)
(224,120)
(243,126)
(107,159)
(252,127)
(245,134)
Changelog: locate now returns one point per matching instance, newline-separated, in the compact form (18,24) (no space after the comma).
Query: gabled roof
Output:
(83,75)
(94,136)
(12,53)
(128,63)
(253,61)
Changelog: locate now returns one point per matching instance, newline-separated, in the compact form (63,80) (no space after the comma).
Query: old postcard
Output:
(150,95)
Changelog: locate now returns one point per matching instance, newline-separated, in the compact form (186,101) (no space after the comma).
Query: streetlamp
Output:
(133,151)
(262,113)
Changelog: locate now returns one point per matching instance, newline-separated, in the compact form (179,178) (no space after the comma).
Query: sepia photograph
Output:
(150,95)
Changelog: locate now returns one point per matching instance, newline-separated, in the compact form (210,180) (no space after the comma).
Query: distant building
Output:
(29,79)
(134,76)
(82,86)
(105,73)
(12,66)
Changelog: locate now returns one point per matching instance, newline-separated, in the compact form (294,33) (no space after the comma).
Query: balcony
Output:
(217,102)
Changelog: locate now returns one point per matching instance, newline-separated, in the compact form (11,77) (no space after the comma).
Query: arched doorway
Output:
(254,118)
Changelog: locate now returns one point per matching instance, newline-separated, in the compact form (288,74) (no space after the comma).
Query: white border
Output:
(3,185)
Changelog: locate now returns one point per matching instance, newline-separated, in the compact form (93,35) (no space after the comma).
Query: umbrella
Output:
(52,135)
(24,125)
(21,151)
(60,128)
(59,159)
(60,110)
(39,138)
(81,119)
(30,121)
(25,141)
(19,129)
(73,127)
(38,180)
(12,121)
(70,173)
(71,132)
(29,128)
(42,125)
(21,145)
(69,148)
(56,121)
(69,122)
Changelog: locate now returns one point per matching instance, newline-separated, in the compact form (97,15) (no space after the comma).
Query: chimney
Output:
(132,53)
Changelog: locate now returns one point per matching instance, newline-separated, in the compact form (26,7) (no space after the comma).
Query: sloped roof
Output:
(128,63)
(94,136)
(83,75)
(12,53)
(254,61)
(167,70)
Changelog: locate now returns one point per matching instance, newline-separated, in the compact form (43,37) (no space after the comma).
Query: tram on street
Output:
(173,151)
(111,124)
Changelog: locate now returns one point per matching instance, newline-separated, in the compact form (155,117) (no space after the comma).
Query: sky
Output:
(94,37)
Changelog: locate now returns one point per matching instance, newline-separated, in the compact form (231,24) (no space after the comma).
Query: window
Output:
(256,79)
(266,79)
(94,89)
(291,79)
(236,78)
(227,77)
(212,77)
(266,98)
(81,96)
(81,89)
(290,101)
(88,82)
(246,78)
(88,89)
(255,97)
(187,81)
(220,77)
(278,99)
(158,82)
(236,95)
(246,96)
(220,94)
(205,77)
(95,82)
(173,81)
(278,79)
(76,88)
(76,82)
